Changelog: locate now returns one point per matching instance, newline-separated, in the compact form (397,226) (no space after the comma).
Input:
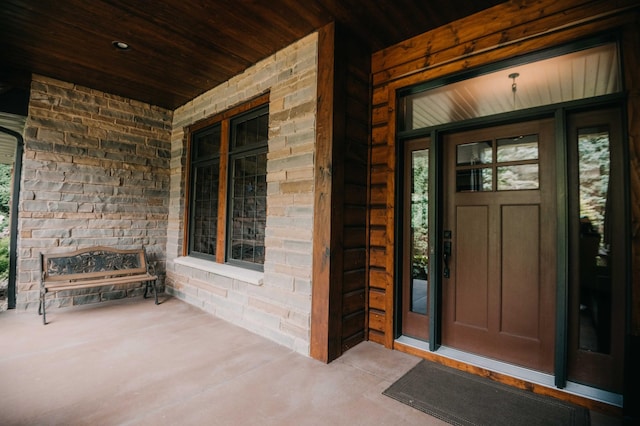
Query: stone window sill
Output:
(240,274)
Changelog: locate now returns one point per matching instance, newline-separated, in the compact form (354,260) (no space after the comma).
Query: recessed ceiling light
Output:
(120,45)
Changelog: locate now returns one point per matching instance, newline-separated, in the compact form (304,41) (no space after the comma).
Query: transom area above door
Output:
(581,74)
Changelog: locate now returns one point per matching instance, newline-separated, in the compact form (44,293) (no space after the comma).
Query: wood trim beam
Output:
(325,318)
(221,237)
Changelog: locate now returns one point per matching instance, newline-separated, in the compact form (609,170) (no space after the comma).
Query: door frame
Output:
(15,203)
(559,112)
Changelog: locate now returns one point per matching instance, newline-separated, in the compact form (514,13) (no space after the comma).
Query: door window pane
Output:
(472,180)
(524,176)
(518,148)
(470,154)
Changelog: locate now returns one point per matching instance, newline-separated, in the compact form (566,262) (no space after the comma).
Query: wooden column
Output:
(338,312)
(326,285)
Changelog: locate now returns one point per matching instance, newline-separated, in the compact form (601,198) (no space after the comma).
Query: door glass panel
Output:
(474,153)
(524,176)
(518,148)
(594,242)
(419,230)
(476,179)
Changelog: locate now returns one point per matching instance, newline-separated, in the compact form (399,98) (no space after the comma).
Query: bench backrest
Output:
(93,262)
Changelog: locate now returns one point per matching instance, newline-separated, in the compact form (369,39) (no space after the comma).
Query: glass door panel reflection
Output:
(598,265)
(419,230)
(517,159)
(471,161)
(594,241)
(415,239)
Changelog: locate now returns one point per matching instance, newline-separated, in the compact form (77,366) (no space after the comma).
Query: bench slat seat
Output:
(93,275)
(94,267)
(127,279)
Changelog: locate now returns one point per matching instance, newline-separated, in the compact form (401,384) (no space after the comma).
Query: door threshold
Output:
(421,348)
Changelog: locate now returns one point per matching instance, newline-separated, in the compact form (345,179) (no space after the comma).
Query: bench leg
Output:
(155,290)
(42,309)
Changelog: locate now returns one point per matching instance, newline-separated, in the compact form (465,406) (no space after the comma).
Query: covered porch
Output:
(131,362)
(318,269)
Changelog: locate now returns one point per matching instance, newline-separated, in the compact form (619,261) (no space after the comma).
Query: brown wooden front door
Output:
(499,243)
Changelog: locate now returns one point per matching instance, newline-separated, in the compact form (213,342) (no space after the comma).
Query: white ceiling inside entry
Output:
(578,75)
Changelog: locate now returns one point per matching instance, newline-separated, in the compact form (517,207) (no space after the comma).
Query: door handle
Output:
(445,257)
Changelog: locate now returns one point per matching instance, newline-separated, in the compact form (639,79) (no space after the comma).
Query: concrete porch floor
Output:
(133,363)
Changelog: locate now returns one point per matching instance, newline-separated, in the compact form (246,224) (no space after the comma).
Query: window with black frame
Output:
(228,188)
(205,183)
(248,188)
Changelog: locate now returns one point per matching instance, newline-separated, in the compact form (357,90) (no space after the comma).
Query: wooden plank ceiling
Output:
(182,48)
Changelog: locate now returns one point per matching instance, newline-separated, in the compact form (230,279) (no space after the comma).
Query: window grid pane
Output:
(248,212)
(205,209)
(252,132)
(206,144)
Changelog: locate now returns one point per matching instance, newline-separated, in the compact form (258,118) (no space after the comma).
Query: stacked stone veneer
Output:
(277,304)
(95,172)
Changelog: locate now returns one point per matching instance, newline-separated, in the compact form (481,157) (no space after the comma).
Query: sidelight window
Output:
(595,238)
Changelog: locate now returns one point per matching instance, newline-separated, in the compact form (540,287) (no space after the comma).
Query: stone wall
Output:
(276,303)
(95,172)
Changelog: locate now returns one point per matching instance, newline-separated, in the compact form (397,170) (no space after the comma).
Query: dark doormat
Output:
(461,398)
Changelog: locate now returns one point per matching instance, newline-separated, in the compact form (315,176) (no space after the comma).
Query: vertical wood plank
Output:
(340,217)
(391,222)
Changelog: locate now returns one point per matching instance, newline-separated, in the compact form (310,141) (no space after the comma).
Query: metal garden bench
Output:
(94,267)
